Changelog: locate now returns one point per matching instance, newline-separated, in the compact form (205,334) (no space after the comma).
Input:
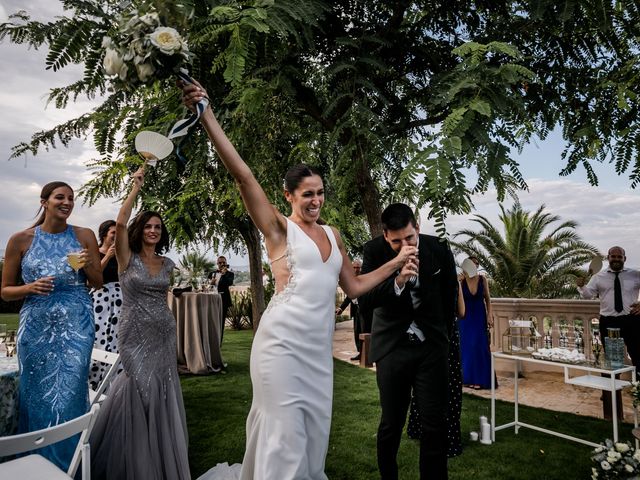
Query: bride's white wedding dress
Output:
(292,371)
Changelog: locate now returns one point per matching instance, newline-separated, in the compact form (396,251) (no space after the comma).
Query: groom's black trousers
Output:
(423,367)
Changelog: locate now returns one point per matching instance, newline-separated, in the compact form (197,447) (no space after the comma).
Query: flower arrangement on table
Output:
(615,460)
(141,50)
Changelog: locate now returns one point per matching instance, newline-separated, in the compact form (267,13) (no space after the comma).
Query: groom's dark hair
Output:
(397,216)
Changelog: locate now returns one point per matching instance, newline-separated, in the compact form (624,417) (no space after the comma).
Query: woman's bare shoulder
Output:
(23,236)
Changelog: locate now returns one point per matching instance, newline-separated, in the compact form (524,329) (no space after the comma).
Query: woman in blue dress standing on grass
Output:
(56,331)
(474,341)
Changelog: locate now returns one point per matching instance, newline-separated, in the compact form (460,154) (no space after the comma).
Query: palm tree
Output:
(533,259)
(194,266)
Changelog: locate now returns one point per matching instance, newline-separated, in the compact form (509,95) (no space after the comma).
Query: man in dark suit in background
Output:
(223,279)
(412,312)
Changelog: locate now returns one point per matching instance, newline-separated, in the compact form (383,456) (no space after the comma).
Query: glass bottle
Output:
(614,348)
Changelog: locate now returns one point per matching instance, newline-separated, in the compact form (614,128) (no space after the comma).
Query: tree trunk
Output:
(251,237)
(369,195)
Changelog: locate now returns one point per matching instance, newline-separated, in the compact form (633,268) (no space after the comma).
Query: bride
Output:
(291,363)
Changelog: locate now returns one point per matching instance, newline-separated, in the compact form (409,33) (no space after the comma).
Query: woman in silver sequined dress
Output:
(141,431)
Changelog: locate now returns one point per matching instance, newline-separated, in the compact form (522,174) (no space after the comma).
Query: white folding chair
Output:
(36,467)
(109,358)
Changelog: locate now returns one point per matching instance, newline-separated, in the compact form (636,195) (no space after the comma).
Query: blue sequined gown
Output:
(55,339)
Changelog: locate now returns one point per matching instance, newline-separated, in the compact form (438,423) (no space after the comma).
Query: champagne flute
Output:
(75,261)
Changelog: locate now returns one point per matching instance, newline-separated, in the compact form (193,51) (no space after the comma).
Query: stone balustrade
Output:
(561,323)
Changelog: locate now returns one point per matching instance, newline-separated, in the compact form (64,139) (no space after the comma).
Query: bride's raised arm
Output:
(265,216)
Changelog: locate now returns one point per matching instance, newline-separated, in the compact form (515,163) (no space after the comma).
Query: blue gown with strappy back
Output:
(55,339)
(474,342)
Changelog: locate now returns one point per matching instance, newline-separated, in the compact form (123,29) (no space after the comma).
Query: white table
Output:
(599,382)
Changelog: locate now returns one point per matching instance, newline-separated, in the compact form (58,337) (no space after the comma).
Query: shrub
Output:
(239,315)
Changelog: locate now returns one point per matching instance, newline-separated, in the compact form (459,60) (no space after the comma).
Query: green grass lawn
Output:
(10,319)
(217,407)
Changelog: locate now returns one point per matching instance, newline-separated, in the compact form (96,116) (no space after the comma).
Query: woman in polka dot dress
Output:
(454,437)
(107,301)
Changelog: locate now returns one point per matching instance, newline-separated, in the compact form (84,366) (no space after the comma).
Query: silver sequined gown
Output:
(141,431)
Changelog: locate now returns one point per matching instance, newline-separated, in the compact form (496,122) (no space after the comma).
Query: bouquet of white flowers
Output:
(141,50)
(615,460)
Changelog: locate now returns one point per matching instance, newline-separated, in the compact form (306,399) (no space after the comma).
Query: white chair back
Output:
(25,442)
(109,358)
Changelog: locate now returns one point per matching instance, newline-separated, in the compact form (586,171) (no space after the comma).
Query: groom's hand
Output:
(408,270)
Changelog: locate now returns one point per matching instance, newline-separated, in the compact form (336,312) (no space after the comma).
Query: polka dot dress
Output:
(454,439)
(107,303)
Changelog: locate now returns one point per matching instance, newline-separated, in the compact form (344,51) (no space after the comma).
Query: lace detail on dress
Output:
(285,294)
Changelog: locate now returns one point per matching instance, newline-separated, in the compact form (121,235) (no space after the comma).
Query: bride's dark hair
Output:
(296,174)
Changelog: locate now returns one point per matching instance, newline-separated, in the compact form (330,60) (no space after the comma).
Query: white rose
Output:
(605,465)
(629,468)
(144,70)
(112,62)
(167,39)
(622,447)
(636,456)
(106,42)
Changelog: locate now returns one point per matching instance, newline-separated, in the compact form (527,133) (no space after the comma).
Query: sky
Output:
(607,215)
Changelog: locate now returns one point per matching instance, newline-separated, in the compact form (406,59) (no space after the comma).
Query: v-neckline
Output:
(314,242)
(146,269)
(473,294)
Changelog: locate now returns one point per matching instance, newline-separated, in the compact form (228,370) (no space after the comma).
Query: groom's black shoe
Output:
(356,358)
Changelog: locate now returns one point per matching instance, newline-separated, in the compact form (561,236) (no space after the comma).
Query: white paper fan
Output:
(469,268)
(596,265)
(152,146)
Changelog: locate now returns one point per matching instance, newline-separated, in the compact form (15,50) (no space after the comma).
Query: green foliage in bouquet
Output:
(615,460)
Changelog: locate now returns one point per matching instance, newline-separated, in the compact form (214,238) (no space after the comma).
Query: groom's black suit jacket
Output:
(392,314)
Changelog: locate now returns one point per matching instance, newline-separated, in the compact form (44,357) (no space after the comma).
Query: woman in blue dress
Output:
(474,342)
(56,331)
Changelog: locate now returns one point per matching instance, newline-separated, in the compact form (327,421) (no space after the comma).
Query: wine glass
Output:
(75,261)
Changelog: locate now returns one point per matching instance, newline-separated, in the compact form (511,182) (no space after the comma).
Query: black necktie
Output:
(617,293)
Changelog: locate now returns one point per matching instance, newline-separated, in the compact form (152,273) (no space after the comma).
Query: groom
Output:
(409,339)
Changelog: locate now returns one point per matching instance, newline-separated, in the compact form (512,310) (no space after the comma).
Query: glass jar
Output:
(614,348)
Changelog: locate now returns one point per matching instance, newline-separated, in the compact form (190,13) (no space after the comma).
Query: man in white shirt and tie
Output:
(618,288)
